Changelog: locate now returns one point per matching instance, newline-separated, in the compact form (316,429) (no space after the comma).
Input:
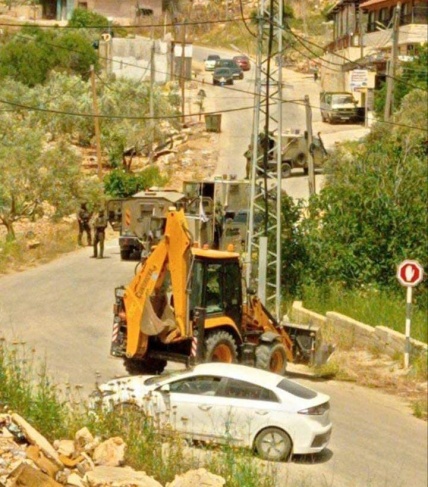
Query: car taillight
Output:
(316,410)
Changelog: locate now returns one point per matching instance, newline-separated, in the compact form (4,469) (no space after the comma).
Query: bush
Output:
(121,184)
(83,18)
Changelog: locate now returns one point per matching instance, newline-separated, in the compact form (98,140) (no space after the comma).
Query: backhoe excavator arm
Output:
(141,320)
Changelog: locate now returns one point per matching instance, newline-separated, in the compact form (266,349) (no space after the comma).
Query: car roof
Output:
(242,372)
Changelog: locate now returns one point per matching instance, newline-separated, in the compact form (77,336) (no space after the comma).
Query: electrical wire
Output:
(297,102)
(241,8)
(129,26)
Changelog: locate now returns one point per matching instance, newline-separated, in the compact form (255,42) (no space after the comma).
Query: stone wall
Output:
(348,333)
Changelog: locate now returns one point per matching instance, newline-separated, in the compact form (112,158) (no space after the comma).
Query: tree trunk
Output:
(10,236)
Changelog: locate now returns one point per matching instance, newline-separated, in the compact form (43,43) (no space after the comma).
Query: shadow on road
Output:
(315,459)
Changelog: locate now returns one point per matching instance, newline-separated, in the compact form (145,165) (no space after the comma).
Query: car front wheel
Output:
(273,444)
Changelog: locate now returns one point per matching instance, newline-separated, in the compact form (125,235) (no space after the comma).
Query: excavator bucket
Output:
(308,346)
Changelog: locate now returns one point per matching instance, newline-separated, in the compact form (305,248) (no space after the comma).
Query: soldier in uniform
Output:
(100,225)
(83,218)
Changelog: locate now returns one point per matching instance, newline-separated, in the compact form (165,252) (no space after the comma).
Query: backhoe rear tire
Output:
(272,357)
(220,346)
(144,366)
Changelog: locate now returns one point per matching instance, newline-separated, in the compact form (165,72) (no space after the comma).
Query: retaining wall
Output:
(348,333)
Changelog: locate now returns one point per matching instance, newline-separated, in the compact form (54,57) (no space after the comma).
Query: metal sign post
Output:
(409,274)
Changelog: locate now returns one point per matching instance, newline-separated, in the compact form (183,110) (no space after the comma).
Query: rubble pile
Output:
(27,459)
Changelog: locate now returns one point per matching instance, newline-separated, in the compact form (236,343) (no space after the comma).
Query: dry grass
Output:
(379,371)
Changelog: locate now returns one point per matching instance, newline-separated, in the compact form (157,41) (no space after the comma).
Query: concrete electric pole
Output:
(389,101)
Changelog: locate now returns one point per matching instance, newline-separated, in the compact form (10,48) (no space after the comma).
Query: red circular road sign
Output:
(410,273)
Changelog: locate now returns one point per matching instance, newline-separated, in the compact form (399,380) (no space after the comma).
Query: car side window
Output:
(201,385)
(239,389)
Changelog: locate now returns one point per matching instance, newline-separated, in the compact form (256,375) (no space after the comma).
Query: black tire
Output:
(241,76)
(300,159)
(285,170)
(220,346)
(306,170)
(125,254)
(273,444)
(144,366)
(272,357)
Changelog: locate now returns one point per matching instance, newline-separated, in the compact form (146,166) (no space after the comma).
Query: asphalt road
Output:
(63,309)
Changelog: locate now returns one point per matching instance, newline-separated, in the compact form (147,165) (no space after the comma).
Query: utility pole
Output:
(360,21)
(182,72)
(389,101)
(151,101)
(96,123)
(309,142)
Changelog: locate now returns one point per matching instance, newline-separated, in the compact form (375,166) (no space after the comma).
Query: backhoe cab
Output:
(189,305)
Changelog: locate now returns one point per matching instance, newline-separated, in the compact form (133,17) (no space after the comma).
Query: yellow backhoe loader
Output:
(189,304)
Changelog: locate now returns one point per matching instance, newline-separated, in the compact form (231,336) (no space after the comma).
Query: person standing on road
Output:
(316,74)
(100,225)
(83,218)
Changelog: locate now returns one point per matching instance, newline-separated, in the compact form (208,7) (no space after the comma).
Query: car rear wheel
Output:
(285,170)
(272,357)
(273,444)
(220,346)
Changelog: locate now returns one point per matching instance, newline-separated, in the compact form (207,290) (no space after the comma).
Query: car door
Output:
(192,408)
(245,409)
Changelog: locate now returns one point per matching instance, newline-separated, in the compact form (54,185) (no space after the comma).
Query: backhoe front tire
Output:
(220,346)
(272,357)
(150,366)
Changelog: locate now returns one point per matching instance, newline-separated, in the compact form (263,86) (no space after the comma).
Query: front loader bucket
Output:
(307,343)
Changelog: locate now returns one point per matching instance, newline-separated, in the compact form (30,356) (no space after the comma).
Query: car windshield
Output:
(296,389)
(343,99)
(159,379)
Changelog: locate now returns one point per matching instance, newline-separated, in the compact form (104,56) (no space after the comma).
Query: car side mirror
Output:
(165,388)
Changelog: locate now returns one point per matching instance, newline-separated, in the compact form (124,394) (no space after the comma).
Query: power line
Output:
(128,26)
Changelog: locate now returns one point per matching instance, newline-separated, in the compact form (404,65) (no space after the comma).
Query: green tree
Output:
(82,17)
(410,75)
(33,173)
(121,184)
(372,211)
(32,54)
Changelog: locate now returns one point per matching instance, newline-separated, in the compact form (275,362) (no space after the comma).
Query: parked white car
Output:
(221,403)
(210,61)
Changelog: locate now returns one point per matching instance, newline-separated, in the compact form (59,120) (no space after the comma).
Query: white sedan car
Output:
(221,403)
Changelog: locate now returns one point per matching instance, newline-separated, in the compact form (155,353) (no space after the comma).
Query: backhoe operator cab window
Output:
(216,286)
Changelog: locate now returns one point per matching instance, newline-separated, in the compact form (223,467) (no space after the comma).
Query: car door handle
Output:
(261,413)
(204,407)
